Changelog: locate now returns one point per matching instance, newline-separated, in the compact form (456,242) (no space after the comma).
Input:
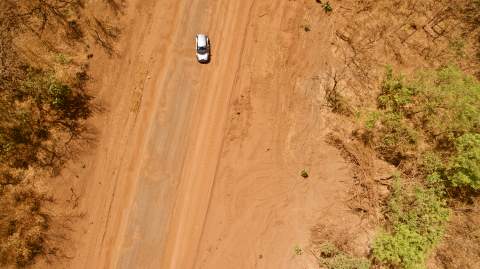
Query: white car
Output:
(203,48)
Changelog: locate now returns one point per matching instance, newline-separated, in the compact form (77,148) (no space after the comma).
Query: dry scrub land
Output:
(45,54)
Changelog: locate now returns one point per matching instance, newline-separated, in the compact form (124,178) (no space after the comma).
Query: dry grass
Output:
(333,248)
(408,35)
(461,248)
(44,59)
(365,197)
(24,223)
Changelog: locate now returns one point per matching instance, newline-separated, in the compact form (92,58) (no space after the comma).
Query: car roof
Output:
(202,40)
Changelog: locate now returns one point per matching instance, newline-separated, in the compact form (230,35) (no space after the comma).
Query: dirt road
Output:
(165,106)
(198,165)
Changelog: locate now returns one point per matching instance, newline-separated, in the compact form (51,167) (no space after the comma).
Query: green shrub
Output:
(443,104)
(434,115)
(372,119)
(431,162)
(33,106)
(406,248)
(417,219)
(464,166)
(59,94)
(394,139)
(395,93)
(447,104)
(457,46)
(45,90)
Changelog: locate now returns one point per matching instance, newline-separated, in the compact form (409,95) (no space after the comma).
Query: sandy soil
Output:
(198,166)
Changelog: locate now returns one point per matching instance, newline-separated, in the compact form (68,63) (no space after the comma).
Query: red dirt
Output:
(199,165)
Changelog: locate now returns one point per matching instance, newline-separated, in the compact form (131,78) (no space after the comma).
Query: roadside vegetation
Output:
(416,218)
(423,121)
(330,257)
(429,128)
(43,108)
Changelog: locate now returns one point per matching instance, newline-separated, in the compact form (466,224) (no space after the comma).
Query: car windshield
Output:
(202,49)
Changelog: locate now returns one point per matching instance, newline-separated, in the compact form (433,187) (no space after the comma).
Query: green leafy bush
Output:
(405,248)
(431,162)
(396,140)
(464,166)
(447,104)
(391,136)
(417,219)
(45,90)
(395,93)
(443,104)
(434,117)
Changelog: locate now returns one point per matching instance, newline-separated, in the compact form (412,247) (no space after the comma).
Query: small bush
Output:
(458,47)
(327,7)
(464,166)
(337,102)
(395,94)
(394,139)
(431,162)
(372,119)
(405,249)
(330,257)
(298,250)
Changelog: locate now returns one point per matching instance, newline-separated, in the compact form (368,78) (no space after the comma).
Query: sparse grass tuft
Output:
(330,257)
(62,59)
